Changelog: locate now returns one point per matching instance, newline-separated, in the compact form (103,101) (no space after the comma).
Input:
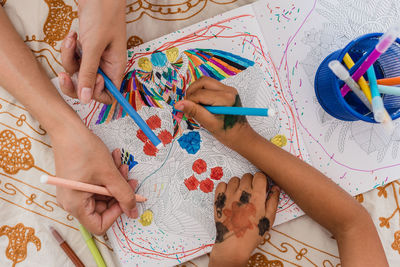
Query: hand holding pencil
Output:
(90,162)
(223,115)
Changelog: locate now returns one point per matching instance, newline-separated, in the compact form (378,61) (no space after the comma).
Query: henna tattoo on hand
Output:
(245,197)
(221,231)
(263,226)
(231,120)
(220,204)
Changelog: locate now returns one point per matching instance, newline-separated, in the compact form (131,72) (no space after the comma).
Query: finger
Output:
(199,113)
(205,82)
(213,98)
(88,72)
(124,169)
(95,222)
(123,193)
(245,182)
(260,183)
(133,184)
(219,201)
(100,206)
(100,93)
(233,185)
(116,155)
(68,56)
(115,63)
(67,85)
(271,204)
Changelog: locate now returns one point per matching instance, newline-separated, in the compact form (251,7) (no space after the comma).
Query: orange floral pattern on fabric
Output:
(259,260)
(15,153)
(18,238)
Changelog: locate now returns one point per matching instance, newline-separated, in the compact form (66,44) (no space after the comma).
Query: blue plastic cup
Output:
(350,108)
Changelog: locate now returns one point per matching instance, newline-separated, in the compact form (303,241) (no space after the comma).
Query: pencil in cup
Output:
(389,81)
(75,185)
(130,110)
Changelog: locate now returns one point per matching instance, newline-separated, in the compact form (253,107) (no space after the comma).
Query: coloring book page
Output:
(269,51)
(358,156)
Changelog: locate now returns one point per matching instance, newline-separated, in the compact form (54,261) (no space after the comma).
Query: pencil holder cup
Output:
(350,108)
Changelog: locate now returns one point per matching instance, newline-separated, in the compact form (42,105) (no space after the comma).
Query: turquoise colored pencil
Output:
(377,102)
(389,90)
(265,112)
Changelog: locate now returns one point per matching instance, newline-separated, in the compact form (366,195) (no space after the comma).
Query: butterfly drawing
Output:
(163,78)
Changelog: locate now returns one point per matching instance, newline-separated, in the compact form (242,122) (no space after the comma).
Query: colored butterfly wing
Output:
(214,63)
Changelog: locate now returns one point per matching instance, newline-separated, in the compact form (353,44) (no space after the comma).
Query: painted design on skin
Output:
(238,218)
(220,204)
(263,226)
(231,120)
(221,232)
(245,197)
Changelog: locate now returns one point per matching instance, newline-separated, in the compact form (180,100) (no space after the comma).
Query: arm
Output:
(314,193)
(77,152)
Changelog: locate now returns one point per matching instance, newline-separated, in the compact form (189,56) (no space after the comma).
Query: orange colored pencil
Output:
(389,81)
(91,188)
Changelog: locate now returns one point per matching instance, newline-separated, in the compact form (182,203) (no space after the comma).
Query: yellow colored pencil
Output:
(348,61)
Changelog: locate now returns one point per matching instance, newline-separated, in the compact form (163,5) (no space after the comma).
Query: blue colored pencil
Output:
(240,111)
(130,110)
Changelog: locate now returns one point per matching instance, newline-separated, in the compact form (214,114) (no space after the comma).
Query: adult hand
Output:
(87,159)
(102,36)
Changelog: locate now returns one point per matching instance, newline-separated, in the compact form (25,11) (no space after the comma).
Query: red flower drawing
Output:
(165,137)
(154,122)
(199,166)
(191,183)
(207,185)
(142,137)
(150,149)
(216,173)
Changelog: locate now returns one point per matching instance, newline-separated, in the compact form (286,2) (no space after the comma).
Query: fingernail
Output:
(71,34)
(61,79)
(68,42)
(179,106)
(86,95)
(134,213)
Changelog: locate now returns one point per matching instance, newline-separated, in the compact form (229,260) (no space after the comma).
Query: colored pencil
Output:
(348,61)
(92,246)
(66,248)
(384,43)
(91,188)
(343,74)
(389,81)
(389,90)
(240,111)
(377,102)
(130,110)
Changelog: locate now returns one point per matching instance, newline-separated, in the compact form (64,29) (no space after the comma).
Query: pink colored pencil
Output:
(91,188)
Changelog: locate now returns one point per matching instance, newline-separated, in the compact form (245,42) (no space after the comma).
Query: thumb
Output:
(123,192)
(197,112)
(87,73)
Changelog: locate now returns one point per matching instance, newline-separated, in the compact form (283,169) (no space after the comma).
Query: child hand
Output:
(103,39)
(243,214)
(87,159)
(228,129)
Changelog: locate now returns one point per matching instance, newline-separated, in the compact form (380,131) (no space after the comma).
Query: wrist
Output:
(220,259)
(243,138)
